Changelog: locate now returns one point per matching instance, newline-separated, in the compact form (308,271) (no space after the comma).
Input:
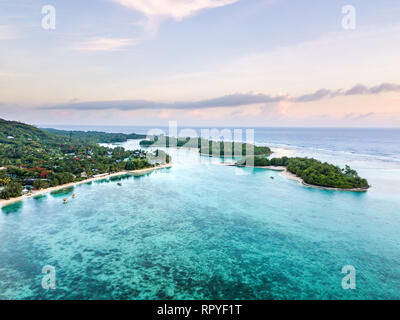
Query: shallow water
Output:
(206,231)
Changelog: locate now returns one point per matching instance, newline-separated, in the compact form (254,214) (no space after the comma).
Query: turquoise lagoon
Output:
(200,230)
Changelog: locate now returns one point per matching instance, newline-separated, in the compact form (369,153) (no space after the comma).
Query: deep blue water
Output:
(202,230)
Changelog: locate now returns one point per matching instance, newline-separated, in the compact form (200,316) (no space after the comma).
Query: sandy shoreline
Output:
(35,193)
(280,152)
(292,176)
(271,168)
(285,173)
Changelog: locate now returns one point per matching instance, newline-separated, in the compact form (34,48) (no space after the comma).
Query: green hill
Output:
(20,131)
(29,155)
(96,136)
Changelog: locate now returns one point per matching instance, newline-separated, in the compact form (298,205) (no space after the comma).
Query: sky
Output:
(296,63)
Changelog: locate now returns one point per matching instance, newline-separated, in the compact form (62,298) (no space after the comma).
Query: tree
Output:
(12,190)
(40,184)
(350,172)
(130,165)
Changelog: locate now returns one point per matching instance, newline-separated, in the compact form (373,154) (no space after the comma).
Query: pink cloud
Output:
(165,114)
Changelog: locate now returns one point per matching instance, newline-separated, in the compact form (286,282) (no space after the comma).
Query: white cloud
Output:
(103,44)
(176,9)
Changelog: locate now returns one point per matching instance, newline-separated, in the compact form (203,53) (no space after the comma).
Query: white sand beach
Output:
(64,186)
(285,173)
(281,152)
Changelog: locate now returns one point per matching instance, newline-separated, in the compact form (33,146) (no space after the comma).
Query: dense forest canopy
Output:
(209,147)
(36,158)
(10,130)
(96,136)
(312,171)
(317,173)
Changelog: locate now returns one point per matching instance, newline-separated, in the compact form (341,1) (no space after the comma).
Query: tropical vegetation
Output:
(312,171)
(209,147)
(96,136)
(35,158)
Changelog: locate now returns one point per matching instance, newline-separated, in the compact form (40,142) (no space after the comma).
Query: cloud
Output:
(358,89)
(318,95)
(156,11)
(363,90)
(103,44)
(358,116)
(176,9)
(233,100)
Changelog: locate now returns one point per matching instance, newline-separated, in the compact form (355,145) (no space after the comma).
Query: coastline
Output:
(288,175)
(292,176)
(230,156)
(271,168)
(35,193)
(220,156)
(280,152)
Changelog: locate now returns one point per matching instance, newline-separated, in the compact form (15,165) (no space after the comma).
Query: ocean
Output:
(200,230)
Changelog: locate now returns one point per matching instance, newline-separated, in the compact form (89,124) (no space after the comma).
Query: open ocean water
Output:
(200,230)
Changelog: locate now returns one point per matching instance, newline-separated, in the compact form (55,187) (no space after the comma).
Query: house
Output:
(100,175)
(10,137)
(30,182)
(83,174)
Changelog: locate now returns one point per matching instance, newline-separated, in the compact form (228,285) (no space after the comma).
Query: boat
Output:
(272,177)
(74,195)
(65,200)
(119,183)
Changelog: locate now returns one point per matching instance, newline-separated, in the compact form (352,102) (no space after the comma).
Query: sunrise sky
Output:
(201,62)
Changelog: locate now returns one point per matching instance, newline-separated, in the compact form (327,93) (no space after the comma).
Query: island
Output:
(310,172)
(33,159)
(208,147)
